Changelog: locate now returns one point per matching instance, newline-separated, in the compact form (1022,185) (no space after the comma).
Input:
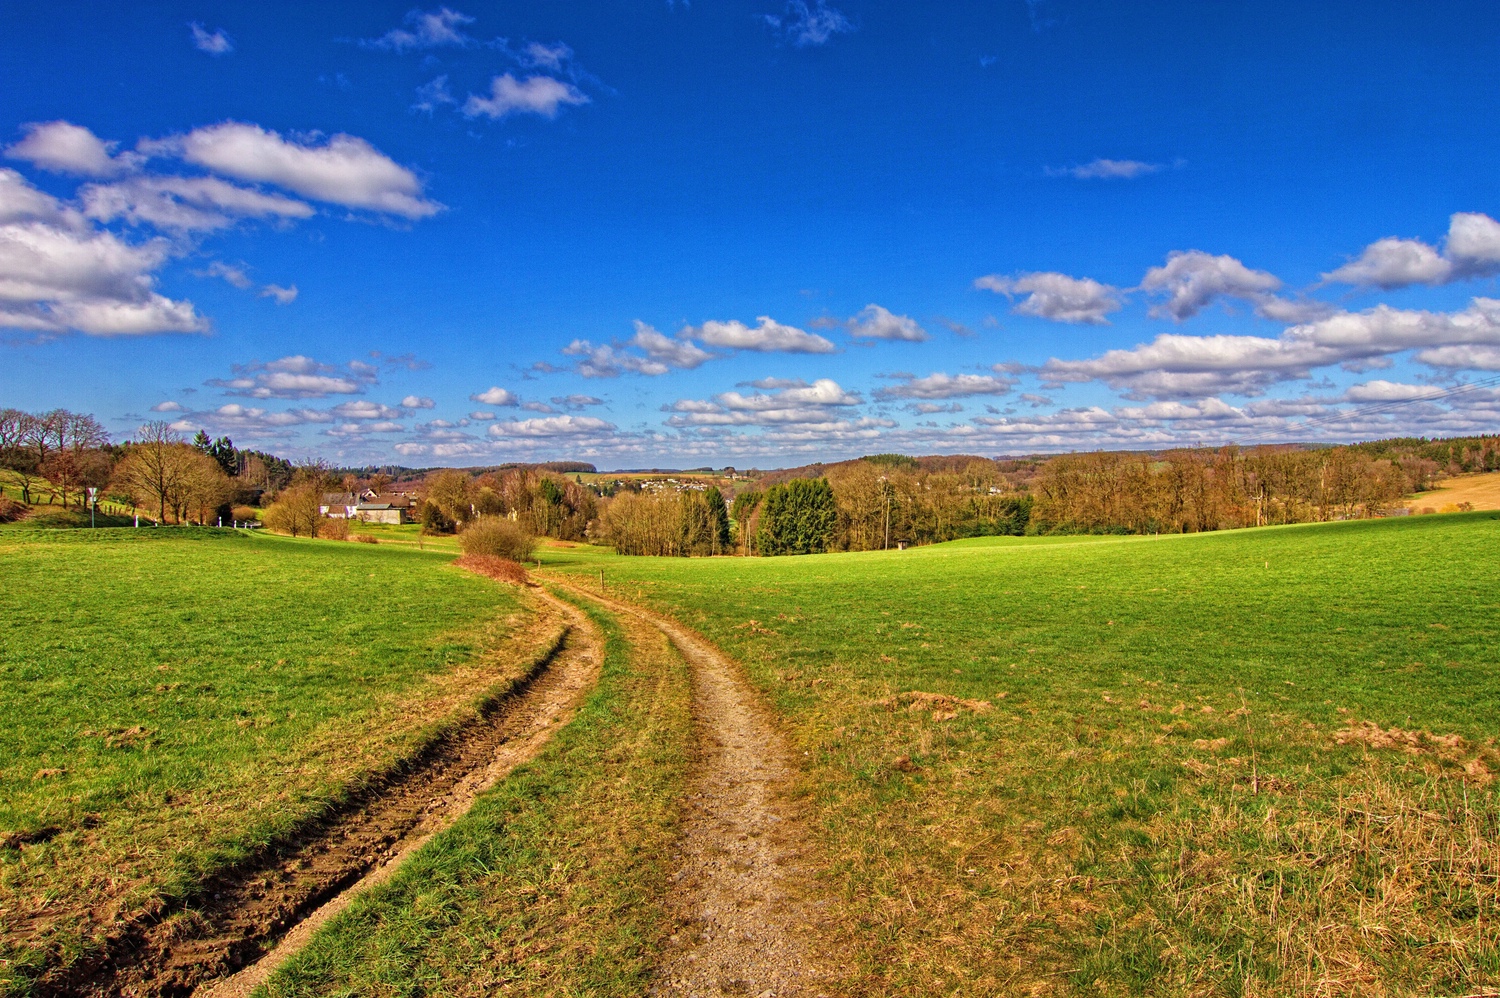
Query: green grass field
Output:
(553,883)
(170,699)
(1249,763)
(1187,765)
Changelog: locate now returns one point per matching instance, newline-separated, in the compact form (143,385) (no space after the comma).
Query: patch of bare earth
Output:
(748,920)
(253,917)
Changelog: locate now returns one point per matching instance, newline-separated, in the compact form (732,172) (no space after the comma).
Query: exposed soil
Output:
(747,919)
(1481,491)
(279,897)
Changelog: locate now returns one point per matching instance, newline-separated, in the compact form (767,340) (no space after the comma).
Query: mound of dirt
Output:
(942,706)
(1410,742)
(502,569)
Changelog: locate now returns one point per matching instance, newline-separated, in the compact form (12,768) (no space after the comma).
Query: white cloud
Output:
(230,273)
(1191,366)
(876,323)
(1387,391)
(604,361)
(1394,263)
(541,56)
(64,147)
(433,94)
(1192,279)
(1057,296)
(1472,249)
(294,377)
(215,42)
(1461,358)
(769,336)
(541,95)
(344,169)
(552,426)
(1106,169)
(481,416)
(365,409)
(495,395)
(946,386)
(1205,409)
(806,26)
(425,30)
(168,407)
(283,296)
(417,402)
(576,401)
(823,391)
(185,204)
(679,353)
(811,405)
(1473,244)
(57,272)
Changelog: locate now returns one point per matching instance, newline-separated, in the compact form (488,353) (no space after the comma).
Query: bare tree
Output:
(154,467)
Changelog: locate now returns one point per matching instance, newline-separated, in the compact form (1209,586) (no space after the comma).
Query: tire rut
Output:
(747,919)
(251,919)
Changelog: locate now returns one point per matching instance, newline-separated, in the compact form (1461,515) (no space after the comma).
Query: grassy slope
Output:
(170,698)
(552,884)
(1160,801)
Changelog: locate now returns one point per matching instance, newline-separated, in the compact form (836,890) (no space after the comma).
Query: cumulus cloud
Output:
(807,25)
(1174,365)
(185,204)
(1192,279)
(946,386)
(168,407)
(806,405)
(283,296)
(679,353)
(541,95)
(425,29)
(767,337)
(1461,358)
(216,42)
(1106,169)
(576,401)
(1057,296)
(63,147)
(495,395)
(1472,249)
(417,402)
(552,426)
(876,323)
(343,169)
(365,409)
(58,272)
(295,377)
(1394,263)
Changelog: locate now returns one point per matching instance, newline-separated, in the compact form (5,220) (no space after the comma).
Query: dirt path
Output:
(281,901)
(746,921)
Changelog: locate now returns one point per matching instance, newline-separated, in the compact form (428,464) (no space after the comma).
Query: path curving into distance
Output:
(254,918)
(746,919)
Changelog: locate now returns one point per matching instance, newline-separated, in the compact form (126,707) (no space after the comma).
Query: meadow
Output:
(1245,763)
(172,699)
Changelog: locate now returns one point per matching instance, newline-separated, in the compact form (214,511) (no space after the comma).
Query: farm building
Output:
(384,509)
(339,505)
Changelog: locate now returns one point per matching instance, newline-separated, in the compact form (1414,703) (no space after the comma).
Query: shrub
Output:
(333,529)
(365,539)
(10,510)
(244,513)
(496,568)
(497,536)
(434,520)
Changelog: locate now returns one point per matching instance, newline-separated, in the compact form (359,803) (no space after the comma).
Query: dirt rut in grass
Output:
(748,919)
(222,948)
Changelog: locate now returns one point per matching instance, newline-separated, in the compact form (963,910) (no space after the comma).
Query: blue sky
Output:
(751,233)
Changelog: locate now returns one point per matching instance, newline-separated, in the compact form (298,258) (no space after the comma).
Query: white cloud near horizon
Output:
(552,426)
(946,386)
(876,323)
(295,377)
(1058,297)
(769,336)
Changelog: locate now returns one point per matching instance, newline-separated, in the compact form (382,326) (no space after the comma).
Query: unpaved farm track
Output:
(748,922)
(282,894)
